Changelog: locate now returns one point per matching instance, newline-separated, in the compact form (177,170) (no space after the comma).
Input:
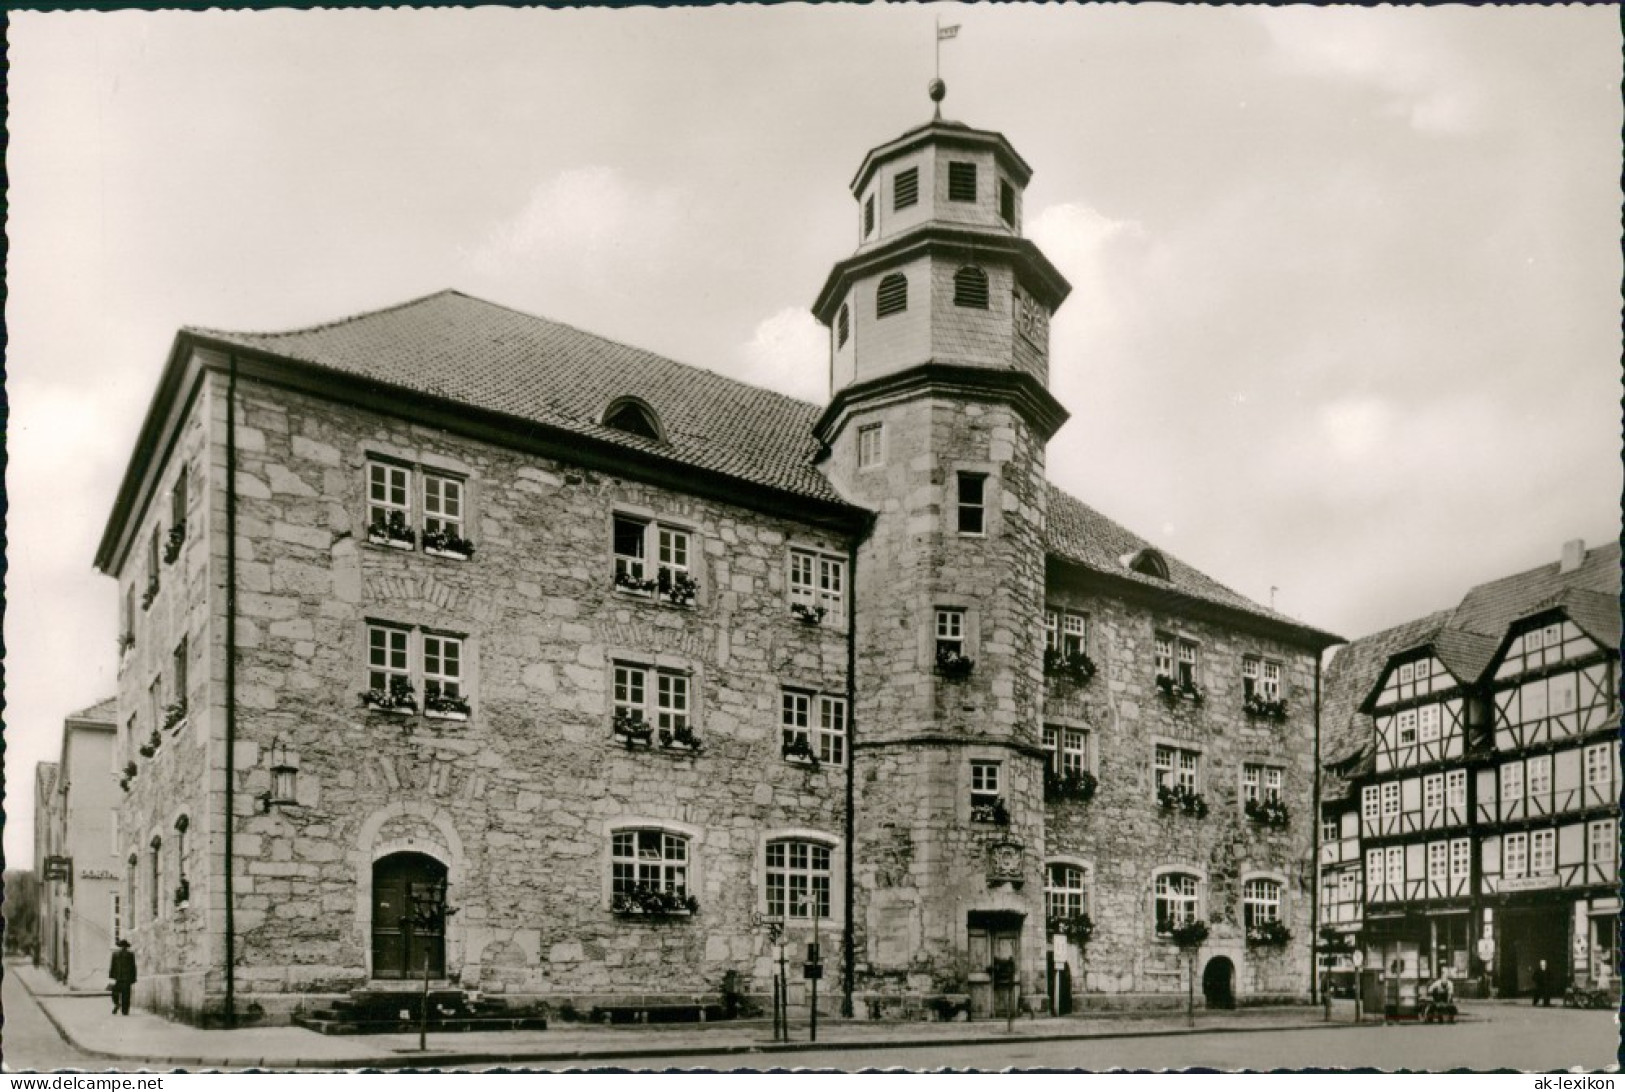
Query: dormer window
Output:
(1148,562)
(631,415)
(906,188)
(962,182)
(891,298)
(970,288)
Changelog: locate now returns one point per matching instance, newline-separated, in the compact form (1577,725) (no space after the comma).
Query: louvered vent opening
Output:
(962,182)
(1007,203)
(970,288)
(906,189)
(892,296)
(843,326)
(869,216)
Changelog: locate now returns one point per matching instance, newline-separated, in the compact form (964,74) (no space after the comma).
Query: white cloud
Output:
(788,353)
(587,222)
(1403,55)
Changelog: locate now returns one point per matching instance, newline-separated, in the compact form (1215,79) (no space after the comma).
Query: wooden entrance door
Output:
(994,943)
(402,884)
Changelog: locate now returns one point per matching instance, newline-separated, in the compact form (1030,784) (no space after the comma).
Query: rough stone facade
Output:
(534,803)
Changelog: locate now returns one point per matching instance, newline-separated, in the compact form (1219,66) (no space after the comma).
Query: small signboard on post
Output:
(58,868)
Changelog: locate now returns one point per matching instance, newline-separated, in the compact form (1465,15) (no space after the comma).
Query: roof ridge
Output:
(343,320)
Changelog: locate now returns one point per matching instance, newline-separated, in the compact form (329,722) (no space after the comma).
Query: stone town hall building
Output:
(633,658)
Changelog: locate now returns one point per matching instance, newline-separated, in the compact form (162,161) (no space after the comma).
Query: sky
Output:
(1344,328)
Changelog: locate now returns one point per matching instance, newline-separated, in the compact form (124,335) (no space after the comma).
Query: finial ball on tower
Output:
(937,90)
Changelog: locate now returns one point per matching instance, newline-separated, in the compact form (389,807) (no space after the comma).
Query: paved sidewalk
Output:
(145,1041)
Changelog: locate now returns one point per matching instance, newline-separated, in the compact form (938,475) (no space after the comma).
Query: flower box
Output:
(798,749)
(126,641)
(400,698)
(633,730)
(447,543)
(1179,689)
(392,531)
(146,750)
(1078,785)
(682,739)
(992,811)
(1179,798)
(1193,934)
(174,715)
(1075,668)
(1264,708)
(954,665)
(183,893)
(173,544)
(644,900)
(1269,813)
(150,594)
(625,581)
(445,706)
(1270,934)
(678,587)
(1078,928)
(807,614)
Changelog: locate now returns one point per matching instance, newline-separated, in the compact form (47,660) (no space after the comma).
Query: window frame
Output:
(1261,781)
(414,655)
(658,543)
(824,583)
(787,871)
(986,781)
(950,631)
(971,504)
(670,872)
(1062,898)
(1263,900)
(1007,202)
(663,697)
(1181,761)
(871,441)
(453,495)
(1185,906)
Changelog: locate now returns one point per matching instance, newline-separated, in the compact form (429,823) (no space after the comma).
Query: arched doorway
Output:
(404,937)
(1219,983)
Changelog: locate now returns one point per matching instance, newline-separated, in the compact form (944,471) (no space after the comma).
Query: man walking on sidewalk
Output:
(1543,985)
(122,974)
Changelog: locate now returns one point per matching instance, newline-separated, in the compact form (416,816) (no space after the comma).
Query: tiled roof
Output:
(1079,534)
(103,712)
(1466,638)
(491,357)
(482,354)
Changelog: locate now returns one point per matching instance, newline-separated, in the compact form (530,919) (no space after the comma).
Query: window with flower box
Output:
(1261,783)
(1066,894)
(952,660)
(637,543)
(653,704)
(1260,678)
(1068,749)
(649,873)
(798,880)
(403,661)
(813,727)
(817,586)
(986,805)
(1178,666)
(177,519)
(1177,767)
(1178,899)
(409,505)
(1260,904)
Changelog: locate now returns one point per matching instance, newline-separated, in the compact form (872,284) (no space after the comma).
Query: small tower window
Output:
(891,297)
(972,503)
(970,288)
(906,188)
(843,326)
(869,216)
(630,415)
(962,182)
(1007,203)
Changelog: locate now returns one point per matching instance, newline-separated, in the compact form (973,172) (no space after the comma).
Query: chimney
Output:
(1574,552)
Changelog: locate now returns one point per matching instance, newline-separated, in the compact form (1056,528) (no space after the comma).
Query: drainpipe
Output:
(1314,883)
(231,679)
(848,949)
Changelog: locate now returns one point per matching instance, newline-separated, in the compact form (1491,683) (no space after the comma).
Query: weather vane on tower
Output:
(937,89)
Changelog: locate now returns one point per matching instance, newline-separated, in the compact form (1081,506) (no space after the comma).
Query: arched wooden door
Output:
(403,884)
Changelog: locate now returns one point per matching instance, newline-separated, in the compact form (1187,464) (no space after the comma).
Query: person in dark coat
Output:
(1543,985)
(122,974)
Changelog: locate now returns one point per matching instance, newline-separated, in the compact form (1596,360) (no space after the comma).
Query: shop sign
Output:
(97,874)
(1529,883)
(58,868)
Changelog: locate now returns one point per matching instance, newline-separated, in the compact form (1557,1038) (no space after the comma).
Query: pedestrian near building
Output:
(121,972)
(1543,985)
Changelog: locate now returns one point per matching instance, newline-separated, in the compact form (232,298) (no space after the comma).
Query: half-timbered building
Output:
(1469,821)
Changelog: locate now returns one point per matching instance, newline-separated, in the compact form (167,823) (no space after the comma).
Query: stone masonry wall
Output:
(520,800)
(1126,838)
